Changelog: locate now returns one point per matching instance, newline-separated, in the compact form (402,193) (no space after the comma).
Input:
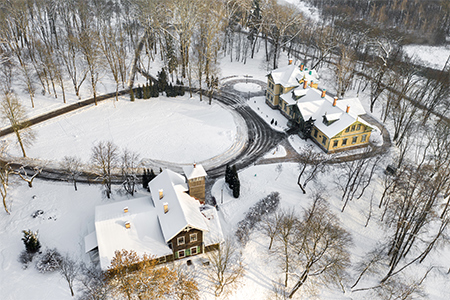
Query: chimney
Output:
(305,84)
(166,207)
(161,194)
(195,165)
(302,66)
(324,91)
(348,108)
(290,61)
(127,225)
(335,100)
(312,82)
(310,72)
(125,209)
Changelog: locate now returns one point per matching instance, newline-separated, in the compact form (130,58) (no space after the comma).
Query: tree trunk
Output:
(19,139)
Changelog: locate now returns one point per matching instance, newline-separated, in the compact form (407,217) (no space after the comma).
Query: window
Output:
(181,254)
(355,138)
(162,259)
(315,132)
(324,140)
(347,129)
(193,237)
(180,240)
(358,127)
(353,127)
(363,138)
(344,142)
(335,143)
(193,250)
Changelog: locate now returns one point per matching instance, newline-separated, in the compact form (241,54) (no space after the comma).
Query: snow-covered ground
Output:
(430,56)
(153,127)
(181,130)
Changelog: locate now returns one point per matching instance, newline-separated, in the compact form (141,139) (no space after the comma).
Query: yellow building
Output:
(334,125)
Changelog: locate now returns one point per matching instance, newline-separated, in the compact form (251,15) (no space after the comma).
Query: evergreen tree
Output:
(154,91)
(151,175)
(235,184)
(227,174)
(139,92)
(146,91)
(162,81)
(131,95)
(31,241)
(236,187)
(145,180)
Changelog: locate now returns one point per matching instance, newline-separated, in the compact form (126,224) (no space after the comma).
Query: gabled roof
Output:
(183,210)
(143,236)
(150,228)
(313,105)
(194,171)
(290,75)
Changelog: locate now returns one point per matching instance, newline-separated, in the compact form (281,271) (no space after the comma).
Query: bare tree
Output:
(94,285)
(270,225)
(12,111)
(322,246)
(104,159)
(23,174)
(71,165)
(310,164)
(356,176)
(285,238)
(129,166)
(226,268)
(344,70)
(5,172)
(69,269)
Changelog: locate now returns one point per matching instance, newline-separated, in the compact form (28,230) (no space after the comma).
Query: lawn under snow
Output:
(181,130)
(429,56)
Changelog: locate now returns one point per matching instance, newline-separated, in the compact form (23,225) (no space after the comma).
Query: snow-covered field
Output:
(181,130)
(430,56)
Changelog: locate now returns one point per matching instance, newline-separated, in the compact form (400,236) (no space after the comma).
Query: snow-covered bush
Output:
(49,261)
(264,206)
(25,258)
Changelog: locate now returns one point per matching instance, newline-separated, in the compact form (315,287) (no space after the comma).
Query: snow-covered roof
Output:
(150,227)
(290,75)
(90,242)
(183,210)
(313,105)
(214,234)
(194,171)
(143,236)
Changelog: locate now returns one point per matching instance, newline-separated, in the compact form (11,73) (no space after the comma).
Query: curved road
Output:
(254,137)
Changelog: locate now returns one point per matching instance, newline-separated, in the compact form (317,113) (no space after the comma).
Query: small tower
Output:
(195,175)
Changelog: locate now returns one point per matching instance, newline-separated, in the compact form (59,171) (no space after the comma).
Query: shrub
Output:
(264,206)
(25,258)
(49,261)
